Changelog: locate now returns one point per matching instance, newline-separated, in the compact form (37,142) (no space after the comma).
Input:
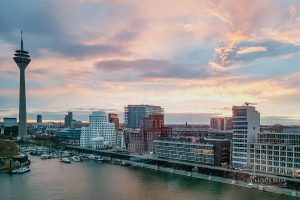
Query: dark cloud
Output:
(43,29)
(147,68)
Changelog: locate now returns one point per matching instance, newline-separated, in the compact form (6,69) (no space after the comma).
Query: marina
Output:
(51,179)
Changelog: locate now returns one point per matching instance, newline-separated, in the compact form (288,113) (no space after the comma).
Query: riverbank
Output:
(269,183)
(51,179)
(265,188)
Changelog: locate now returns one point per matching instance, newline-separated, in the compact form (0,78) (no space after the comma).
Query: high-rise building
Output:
(135,113)
(22,59)
(221,123)
(68,119)
(246,126)
(100,133)
(39,119)
(114,118)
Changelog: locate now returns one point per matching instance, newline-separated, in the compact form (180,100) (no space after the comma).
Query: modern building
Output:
(39,119)
(69,136)
(210,152)
(135,113)
(134,141)
(69,119)
(100,133)
(86,137)
(141,140)
(221,123)
(246,126)
(22,59)
(114,118)
(151,128)
(9,121)
(9,127)
(276,153)
(198,132)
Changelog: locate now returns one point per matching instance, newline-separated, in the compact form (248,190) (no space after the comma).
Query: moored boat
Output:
(65,160)
(76,158)
(23,170)
(95,157)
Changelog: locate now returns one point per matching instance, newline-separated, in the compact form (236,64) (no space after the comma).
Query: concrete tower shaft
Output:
(22,59)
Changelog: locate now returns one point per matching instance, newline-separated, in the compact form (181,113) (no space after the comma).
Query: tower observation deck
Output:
(22,59)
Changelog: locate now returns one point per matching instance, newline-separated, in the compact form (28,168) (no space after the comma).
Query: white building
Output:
(100,133)
(246,126)
(85,137)
(276,153)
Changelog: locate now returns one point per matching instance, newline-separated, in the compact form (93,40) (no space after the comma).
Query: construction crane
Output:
(248,103)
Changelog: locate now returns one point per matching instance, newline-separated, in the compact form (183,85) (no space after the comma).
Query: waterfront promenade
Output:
(291,186)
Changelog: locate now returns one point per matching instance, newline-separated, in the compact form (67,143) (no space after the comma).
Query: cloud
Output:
(149,68)
(38,71)
(43,29)
(246,50)
(187,56)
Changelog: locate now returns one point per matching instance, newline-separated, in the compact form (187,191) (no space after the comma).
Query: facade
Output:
(199,132)
(39,119)
(135,141)
(141,140)
(135,113)
(9,127)
(184,150)
(100,133)
(9,121)
(221,123)
(151,128)
(211,152)
(276,153)
(85,137)
(22,59)
(120,138)
(114,118)
(69,136)
(69,119)
(246,126)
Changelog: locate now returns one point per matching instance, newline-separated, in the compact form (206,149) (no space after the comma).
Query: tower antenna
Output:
(22,49)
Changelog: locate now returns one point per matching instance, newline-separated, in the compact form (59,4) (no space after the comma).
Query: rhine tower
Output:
(22,58)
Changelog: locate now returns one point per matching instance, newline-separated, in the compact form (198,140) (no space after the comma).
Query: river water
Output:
(52,180)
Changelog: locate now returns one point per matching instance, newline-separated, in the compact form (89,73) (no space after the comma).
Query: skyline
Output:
(198,57)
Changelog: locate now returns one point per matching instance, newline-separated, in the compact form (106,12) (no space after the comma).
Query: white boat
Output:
(95,157)
(55,156)
(65,160)
(76,158)
(23,170)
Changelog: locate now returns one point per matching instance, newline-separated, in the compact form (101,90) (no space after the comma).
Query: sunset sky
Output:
(192,57)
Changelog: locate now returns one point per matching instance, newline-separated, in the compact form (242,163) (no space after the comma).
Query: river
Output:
(53,180)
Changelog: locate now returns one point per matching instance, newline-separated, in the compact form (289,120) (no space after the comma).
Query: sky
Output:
(194,58)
